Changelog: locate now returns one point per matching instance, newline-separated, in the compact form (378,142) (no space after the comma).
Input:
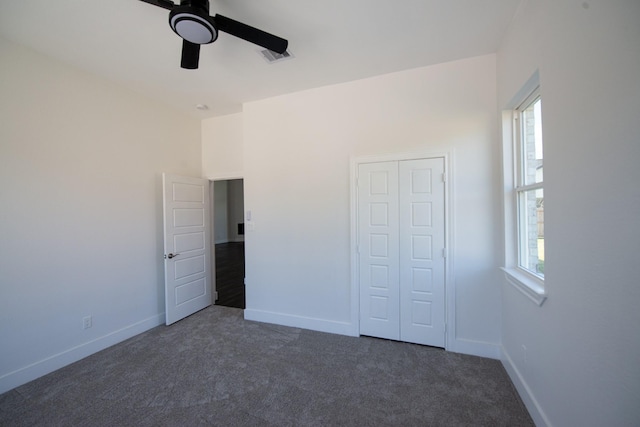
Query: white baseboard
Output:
(474,348)
(314,324)
(529,400)
(45,366)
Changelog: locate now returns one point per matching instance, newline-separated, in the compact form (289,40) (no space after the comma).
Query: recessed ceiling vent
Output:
(272,57)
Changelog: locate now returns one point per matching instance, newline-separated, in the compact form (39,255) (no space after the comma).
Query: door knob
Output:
(171,256)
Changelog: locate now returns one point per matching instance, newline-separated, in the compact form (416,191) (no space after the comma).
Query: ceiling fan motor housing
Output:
(192,22)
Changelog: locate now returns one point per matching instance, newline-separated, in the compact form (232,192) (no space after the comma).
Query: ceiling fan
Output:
(191,21)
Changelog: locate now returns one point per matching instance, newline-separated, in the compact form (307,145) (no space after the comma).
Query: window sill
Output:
(528,285)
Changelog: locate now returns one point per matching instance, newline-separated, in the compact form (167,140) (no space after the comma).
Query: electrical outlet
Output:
(87,322)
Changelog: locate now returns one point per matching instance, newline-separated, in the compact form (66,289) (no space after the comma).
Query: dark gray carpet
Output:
(215,368)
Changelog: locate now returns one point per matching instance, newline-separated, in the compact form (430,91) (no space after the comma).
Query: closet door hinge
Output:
(444,177)
(444,252)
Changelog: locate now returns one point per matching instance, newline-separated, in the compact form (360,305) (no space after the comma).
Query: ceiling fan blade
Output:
(165,4)
(190,55)
(251,34)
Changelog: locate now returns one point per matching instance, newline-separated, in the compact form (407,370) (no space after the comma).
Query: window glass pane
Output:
(532,143)
(531,238)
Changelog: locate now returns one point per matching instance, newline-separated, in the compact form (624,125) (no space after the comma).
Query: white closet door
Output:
(378,250)
(422,243)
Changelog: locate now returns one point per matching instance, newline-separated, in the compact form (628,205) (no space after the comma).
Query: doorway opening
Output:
(228,226)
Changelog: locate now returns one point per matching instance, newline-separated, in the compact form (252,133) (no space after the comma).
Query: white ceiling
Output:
(333,41)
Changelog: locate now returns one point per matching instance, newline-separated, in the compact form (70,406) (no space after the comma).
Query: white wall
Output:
(236,209)
(297,150)
(222,144)
(582,366)
(220,211)
(228,210)
(81,224)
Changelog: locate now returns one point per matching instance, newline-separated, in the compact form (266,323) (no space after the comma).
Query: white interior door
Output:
(422,243)
(186,246)
(378,249)
(401,245)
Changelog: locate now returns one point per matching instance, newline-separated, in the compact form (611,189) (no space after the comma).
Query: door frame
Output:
(449,280)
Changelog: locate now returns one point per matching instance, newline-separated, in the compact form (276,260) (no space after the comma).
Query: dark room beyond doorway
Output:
(229,242)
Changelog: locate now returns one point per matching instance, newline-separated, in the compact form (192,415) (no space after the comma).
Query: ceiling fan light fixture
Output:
(192,22)
(193,26)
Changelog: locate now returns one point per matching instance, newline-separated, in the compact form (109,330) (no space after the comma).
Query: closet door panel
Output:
(421,257)
(378,250)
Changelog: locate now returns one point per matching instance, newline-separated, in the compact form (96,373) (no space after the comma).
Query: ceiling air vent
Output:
(272,57)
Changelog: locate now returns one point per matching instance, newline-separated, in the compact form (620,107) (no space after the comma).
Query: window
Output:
(529,190)
(524,193)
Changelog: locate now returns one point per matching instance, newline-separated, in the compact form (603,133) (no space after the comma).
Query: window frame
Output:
(521,188)
(529,283)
